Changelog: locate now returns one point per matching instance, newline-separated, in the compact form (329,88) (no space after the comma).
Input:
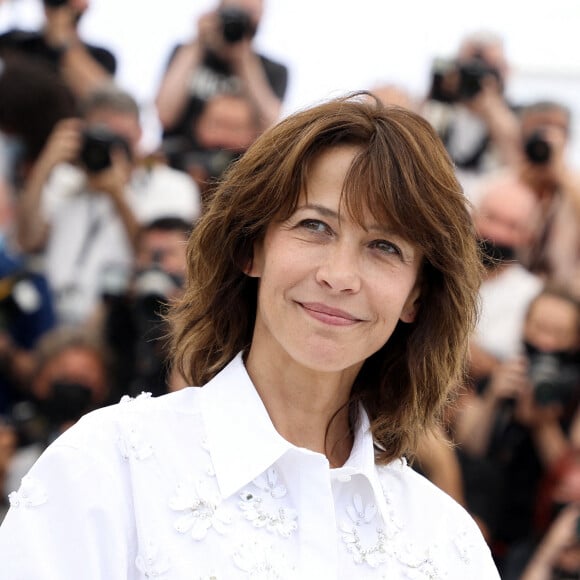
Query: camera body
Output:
(236,24)
(97,144)
(537,148)
(554,380)
(453,81)
(55,3)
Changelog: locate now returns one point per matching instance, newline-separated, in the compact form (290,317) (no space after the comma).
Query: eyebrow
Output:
(331,213)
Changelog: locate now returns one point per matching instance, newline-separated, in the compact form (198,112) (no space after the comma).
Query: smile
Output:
(328,315)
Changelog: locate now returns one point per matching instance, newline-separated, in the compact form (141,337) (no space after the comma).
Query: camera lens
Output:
(236,24)
(537,148)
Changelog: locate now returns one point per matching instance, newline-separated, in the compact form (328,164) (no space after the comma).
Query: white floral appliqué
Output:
(261,561)
(203,509)
(361,530)
(263,510)
(132,443)
(30,494)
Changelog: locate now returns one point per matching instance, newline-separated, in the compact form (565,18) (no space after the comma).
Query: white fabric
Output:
(198,484)
(504,301)
(77,276)
(160,191)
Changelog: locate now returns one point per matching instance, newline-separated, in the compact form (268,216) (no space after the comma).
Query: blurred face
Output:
(553,124)
(552,325)
(491,52)
(505,215)
(166,249)
(125,125)
(227,122)
(330,291)
(75,365)
(255,8)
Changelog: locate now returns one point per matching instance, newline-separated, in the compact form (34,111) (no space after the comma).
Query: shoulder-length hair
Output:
(403,174)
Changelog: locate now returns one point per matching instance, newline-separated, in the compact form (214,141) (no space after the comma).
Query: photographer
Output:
(221,59)
(134,326)
(467,106)
(516,422)
(558,555)
(86,196)
(82,66)
(545,169)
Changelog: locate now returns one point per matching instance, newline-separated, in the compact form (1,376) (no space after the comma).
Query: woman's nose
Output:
(339,270)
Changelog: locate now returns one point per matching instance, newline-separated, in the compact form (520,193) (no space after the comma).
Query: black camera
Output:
(98,142)
(236,24)
(554,379)
(55,3)
(454,81)
(537,149)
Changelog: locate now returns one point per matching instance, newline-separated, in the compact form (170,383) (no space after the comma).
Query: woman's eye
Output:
(315,226)
(386,247)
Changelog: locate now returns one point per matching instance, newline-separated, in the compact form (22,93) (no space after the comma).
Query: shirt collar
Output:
(362,461)
(244,443)
(241,437)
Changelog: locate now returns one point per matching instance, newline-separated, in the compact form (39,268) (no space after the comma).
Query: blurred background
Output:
(334,46)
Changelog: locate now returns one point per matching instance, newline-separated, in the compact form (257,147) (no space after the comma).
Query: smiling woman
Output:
(332,286)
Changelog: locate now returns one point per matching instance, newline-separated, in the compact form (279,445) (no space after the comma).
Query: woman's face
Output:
(552,324)
(330,291)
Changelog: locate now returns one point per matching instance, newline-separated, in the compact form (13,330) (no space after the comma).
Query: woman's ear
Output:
(411,306)
(254,263)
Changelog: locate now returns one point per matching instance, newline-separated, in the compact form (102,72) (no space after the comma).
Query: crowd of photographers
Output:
(92,248)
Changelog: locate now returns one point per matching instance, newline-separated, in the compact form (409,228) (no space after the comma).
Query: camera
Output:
(236,24)
(537,149)
(55,3)
(97,144)
(454,81)
(554,379)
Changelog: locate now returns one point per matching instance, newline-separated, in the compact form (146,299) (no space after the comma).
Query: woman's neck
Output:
(309,409)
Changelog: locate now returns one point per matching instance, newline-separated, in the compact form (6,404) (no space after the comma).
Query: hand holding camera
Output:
(226,32)
(109,169)
(63,144)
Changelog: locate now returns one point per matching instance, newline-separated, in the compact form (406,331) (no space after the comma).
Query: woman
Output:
(332,287)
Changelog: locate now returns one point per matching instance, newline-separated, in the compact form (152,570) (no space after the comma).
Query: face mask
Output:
(559,574)
(68,402)
(495,254)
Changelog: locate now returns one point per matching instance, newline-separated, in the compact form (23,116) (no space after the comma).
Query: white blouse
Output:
(198,485)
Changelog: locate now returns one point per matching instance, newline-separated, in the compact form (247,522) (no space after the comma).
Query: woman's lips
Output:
(329,315)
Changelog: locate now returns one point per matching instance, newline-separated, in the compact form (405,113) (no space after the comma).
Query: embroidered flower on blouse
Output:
(128,399)
(268,482)
(262,509)
(202,507)
(262,561)
(359,533)
(133,444)
(30,494)
(151,563)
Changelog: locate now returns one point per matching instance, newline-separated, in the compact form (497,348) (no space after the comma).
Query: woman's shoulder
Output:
(433,518)
(107,425)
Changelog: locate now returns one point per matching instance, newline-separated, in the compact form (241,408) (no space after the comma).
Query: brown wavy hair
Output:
(404,174)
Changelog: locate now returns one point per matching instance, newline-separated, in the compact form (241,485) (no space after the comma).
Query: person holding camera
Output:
(87,195)
(510,427)
(467,106)
(546,170)
(221,59)
(503,216)
(557,557)
(134,324)
(58,45)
